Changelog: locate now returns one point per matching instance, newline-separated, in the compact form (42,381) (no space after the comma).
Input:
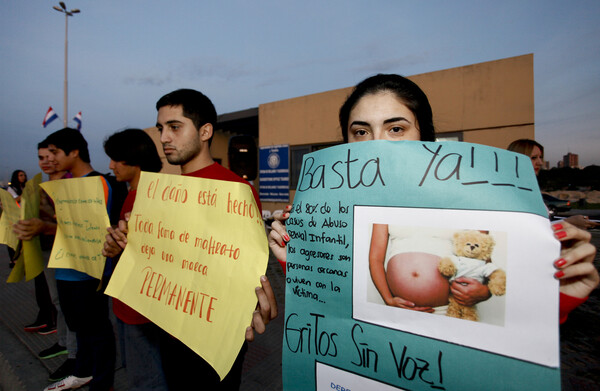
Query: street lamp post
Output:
(63,9)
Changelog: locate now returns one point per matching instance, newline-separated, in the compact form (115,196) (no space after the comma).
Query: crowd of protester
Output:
(73,304)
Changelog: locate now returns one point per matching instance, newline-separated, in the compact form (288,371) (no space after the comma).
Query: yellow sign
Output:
(10,215)
(30,263)
(81,224)
(196,250)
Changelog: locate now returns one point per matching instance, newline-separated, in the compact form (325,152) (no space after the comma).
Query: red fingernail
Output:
(286,238)
(560,234)
(559,274)
(556,227)
(560,263)
(282,244)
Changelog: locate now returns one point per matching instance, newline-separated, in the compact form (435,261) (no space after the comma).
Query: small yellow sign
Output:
(32,250)
(10,215)
(30,262)
(81,224)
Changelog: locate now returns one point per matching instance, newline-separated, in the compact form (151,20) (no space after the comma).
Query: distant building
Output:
(570,160)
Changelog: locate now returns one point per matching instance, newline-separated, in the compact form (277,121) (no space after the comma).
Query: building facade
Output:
(570,160)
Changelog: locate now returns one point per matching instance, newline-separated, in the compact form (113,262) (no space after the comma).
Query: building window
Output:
(450,136)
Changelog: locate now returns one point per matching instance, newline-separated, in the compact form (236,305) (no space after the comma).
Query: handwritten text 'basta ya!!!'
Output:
(353,172)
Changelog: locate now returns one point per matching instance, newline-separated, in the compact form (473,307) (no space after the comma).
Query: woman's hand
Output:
(266,309)
(468,291)
(278,237)
(399,302)
(576,272)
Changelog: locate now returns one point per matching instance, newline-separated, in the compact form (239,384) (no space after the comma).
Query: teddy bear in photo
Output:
(472,258)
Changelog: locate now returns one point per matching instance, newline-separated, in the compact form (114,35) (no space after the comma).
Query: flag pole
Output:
(66,91)
(63,9)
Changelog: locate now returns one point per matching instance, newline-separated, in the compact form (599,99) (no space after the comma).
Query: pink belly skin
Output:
(415,277)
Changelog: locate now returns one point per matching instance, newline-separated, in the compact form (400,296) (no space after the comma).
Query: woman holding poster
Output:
(391,107)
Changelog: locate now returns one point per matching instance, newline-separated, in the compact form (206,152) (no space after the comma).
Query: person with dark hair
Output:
(380,109)
(194,105)
(45,321)
(69,140)
(67,343)
(387,107)
(45,228)
(17,184)
(15,189)
(132,151)
(391,107)
(84,305)
(135,148)
(186,121)
(376,90)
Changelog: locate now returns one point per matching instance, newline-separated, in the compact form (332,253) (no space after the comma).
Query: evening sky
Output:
(124,55)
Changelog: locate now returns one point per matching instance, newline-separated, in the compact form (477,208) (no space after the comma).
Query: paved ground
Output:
(21,370)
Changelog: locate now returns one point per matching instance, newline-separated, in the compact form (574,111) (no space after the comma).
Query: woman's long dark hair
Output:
(407,91)
(14,182)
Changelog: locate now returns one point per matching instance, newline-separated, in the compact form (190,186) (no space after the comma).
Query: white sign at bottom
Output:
(333,379)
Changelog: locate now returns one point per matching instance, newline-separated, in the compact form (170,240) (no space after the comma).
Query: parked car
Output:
(555,205)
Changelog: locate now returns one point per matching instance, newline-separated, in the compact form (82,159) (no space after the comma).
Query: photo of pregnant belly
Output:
(414,276)
(437,270)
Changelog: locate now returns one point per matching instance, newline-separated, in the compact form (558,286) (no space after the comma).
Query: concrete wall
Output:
(310,119)
(491,103)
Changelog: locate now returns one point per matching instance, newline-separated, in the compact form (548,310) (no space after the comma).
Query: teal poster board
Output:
(434,202)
